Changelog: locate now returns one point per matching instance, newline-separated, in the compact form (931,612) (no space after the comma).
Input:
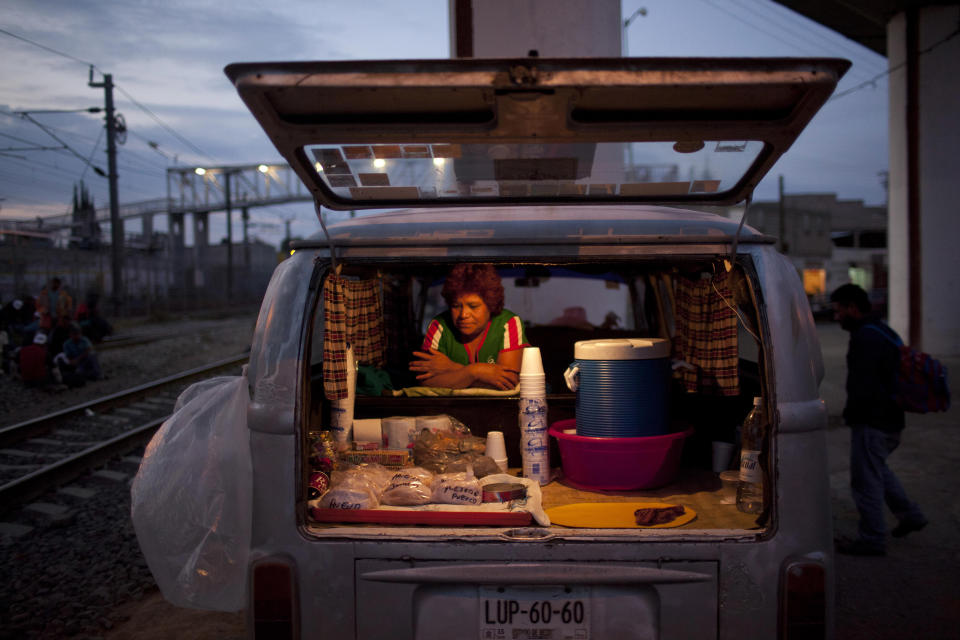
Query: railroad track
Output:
(132,339)
(40,454)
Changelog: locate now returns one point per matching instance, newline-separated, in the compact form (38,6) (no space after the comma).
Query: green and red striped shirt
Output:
(504,332)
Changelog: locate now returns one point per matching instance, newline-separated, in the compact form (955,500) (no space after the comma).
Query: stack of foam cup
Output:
(341,418)
(534,441)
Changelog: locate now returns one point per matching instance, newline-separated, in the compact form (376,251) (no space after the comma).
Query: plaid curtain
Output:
(352,314)
(706,337)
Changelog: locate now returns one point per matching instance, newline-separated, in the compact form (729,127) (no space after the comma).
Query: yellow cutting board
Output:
(611,515)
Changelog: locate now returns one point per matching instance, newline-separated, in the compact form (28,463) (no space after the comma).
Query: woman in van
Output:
(476,342)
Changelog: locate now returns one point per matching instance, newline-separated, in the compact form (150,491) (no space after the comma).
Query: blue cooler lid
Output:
(622,349)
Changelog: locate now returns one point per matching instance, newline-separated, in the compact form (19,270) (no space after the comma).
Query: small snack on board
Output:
(652,516)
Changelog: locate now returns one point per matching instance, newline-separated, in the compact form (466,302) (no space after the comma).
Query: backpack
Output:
(922,384)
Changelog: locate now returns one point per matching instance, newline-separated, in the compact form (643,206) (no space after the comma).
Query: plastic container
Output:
(615,464)
(622,387)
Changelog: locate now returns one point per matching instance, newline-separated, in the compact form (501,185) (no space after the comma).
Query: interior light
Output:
(318,167)
(263,168)
(292,251)
(379,163)
(439,161)
(199,171)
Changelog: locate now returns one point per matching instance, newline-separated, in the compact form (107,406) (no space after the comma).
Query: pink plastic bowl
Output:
(614,464)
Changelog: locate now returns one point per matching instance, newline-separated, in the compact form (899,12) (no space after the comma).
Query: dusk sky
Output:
(167,61)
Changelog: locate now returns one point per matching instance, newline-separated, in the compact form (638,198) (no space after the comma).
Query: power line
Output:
(46,48)
(98,170)
(872,82)
(92,151)
(15,138)
(781,38)
(92,66)
(164,124)
(816,29)
(60,130)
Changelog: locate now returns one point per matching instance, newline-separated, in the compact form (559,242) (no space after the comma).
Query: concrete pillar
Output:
(201,229)
(177,231)
(924,189)
(201,241)
(146,227)
(555,28)
(178,267)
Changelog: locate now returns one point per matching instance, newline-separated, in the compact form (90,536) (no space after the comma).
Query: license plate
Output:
(534,613)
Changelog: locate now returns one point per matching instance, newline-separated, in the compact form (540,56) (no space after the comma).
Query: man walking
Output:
(875,421)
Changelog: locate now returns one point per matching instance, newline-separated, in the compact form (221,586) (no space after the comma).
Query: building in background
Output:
(831,242)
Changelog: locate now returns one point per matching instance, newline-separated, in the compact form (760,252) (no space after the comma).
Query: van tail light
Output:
(274,605)
(803,600)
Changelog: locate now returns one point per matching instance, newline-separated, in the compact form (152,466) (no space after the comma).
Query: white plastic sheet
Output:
(191,498)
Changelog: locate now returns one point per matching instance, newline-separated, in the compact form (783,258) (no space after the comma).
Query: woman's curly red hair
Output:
(478,278)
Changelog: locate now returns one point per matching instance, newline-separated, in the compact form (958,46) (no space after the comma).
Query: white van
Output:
(569,177)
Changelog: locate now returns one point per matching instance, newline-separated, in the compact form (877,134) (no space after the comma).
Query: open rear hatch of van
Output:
(444,132)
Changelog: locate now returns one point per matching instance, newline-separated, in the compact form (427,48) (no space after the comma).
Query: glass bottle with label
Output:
(752,437)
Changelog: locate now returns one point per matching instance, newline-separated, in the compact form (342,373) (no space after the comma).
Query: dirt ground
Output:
(913,592)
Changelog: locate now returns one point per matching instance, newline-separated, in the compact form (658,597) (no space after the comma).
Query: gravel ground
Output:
(79,572)
(202,342)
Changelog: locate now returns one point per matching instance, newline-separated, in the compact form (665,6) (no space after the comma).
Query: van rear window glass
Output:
(436,172)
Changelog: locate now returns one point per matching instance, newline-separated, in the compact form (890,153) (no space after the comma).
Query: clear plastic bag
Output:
(457,488)
(356,487)
(408,487)
(352,492)
(435,451)
(191,499)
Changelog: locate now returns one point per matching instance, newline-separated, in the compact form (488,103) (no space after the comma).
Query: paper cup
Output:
(496,449)
(532,362)
(532,385)
(722,452)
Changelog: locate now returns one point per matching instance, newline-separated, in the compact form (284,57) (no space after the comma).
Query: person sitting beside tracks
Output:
(33,363)
(476,342)
(78,361)
(91,322)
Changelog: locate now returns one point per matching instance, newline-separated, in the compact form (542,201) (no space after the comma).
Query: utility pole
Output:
(116,226)
(784,246)
(246,238)
(226,185)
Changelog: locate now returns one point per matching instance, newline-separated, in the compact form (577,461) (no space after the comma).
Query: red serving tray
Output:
(412,517)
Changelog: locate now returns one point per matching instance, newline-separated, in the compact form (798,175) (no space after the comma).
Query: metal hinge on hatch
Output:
(743,220)
(524,76)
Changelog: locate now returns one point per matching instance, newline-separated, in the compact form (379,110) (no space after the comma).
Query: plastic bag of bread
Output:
(352,492)
(375,474)
(408,487)
(356,487)
(457,488)
(435,451)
